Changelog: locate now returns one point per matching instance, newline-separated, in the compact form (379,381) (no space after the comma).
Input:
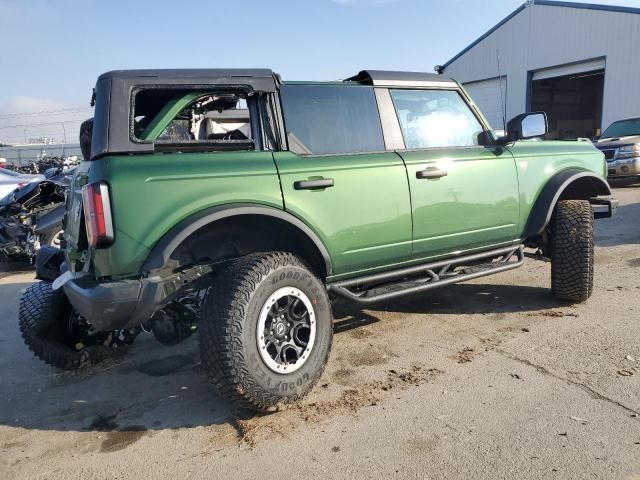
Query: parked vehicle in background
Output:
(232,203)
(11,180)
(620,143)
(32,215)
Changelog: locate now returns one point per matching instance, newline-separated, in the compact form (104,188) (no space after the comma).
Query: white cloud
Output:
(24,117)
(25,104)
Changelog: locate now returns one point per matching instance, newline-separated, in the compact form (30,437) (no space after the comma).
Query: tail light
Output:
(97,214)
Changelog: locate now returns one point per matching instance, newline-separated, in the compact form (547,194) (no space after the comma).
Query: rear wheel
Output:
(57,335)
(265,331)
(572,251)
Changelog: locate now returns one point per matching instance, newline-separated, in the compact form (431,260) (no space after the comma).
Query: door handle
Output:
(430,173)
(313,184)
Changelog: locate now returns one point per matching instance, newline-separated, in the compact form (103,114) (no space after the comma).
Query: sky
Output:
(51,51)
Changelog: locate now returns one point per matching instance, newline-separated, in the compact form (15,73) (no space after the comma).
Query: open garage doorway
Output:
(573,103)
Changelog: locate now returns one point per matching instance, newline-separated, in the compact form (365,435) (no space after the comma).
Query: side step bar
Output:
(388,285)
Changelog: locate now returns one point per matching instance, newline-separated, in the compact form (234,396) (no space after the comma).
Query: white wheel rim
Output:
(55,241)
(286,330)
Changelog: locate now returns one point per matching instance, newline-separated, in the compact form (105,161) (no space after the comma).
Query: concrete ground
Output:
(488,379)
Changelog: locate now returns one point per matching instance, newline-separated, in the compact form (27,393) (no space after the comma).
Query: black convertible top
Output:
(114,95)
(112,125)
(258,78)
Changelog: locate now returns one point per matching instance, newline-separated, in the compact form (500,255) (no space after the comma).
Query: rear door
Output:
(338,178)
(464,195)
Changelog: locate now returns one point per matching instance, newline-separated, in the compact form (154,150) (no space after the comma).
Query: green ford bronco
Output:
(235,204)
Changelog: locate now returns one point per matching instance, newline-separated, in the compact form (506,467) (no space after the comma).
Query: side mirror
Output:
(527,125)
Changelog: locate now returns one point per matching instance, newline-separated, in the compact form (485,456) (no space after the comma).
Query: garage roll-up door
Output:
(489,96)
(571,69)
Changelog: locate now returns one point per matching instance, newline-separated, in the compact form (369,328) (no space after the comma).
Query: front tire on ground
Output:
(266,330)
(572,251)
(46,318)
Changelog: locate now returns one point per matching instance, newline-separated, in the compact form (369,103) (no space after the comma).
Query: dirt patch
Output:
(360,334)
(634,262)
(250,431)
(551,313)
(121,439)
(343,375)
(465,355)
(9,445)
(368,357)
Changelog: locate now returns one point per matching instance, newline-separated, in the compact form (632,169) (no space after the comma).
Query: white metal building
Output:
(578,62)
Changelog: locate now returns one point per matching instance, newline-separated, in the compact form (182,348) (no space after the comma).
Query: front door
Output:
(338,178)
(464,195)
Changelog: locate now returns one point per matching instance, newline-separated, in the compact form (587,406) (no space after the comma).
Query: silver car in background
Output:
(620,143)
(10,181)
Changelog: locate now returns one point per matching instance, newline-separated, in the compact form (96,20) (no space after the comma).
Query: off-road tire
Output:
(42,311)
(572,251)
(228,326)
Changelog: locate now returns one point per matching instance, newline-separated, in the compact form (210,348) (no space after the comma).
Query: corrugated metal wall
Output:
(543,36)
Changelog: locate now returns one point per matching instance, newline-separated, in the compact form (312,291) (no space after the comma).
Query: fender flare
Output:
(162,251)
(542,210)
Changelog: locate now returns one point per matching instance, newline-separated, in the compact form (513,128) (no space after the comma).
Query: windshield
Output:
(623,128)
(9,172)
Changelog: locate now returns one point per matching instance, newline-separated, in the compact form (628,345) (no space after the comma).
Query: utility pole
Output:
(25,136)
(64,138)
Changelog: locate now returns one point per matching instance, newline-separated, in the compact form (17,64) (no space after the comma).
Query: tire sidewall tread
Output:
(41,308)
(572,251)
(228,329)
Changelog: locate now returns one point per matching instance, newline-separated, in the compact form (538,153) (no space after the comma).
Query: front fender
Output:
(573,183)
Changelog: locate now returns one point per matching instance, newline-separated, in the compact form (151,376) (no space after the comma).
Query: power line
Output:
(47,112)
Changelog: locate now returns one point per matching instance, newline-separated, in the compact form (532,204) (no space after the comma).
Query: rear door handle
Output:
(431,173)
(313,184)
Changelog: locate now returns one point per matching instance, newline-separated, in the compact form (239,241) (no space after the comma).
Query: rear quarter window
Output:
(194,119)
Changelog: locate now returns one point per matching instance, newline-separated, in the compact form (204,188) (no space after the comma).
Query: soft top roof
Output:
(114,94)
(388,78)
(259,78)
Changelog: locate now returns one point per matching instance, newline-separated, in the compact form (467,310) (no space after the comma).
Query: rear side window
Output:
(190,118)
(435,119)
(331,119)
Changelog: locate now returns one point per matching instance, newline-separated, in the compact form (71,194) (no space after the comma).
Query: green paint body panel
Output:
(377,215)
(365,218)
(150,194)
(474,205)
(537,162)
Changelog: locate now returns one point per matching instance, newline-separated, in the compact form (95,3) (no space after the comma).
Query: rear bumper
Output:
(107,306)
(114,305)
(129,303)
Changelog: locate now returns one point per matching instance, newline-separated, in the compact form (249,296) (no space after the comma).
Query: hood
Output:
(617,141)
